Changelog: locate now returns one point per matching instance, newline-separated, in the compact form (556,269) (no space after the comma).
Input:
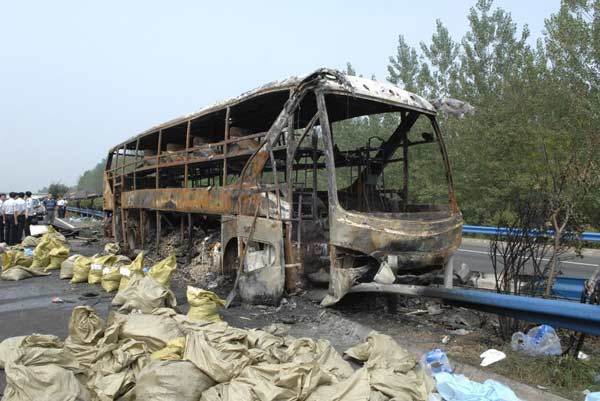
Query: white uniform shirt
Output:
(29,206)
(20,206)
(8,207)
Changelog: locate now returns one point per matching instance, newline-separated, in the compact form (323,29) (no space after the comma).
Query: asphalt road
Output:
(475,254)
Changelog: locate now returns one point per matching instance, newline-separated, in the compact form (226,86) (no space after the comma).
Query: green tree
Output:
(92,180)
(57,189)
(529,101)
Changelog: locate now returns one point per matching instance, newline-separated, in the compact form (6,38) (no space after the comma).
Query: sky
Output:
(77,77)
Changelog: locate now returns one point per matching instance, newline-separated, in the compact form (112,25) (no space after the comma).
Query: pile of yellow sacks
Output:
(35,257)
(165,356)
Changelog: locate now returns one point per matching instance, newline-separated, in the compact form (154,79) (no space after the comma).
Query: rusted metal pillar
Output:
(157,185)
(292,268)
(137,150)
(405,171)
(123,213)
(142,229)
(114,178)
(190,237)
(158,230)
(187,154)
(449,272)
(181,228)
(225,145)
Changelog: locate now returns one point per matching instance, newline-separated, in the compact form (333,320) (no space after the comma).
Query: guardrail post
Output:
(449,272)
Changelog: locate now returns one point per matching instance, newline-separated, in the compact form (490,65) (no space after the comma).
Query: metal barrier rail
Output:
(584,318)
(488,230)
(86,212)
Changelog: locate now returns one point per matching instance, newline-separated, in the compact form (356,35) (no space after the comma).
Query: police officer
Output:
(10,220)
(2,199)
(20,212)
(29,213)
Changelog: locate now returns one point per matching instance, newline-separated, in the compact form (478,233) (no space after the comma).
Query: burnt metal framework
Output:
(241,158)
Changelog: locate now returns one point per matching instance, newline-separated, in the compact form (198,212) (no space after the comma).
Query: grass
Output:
(562,375)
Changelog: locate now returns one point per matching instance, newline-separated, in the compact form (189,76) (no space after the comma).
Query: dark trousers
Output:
(28,222)
(2,230)
(20,228)
(10,230)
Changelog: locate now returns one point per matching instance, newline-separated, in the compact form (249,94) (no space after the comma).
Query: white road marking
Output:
(562,261)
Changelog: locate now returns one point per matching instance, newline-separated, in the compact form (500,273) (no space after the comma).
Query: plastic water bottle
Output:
(539,333)
(540,340)
(436,361)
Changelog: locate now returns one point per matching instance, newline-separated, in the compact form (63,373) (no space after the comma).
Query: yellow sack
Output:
(41,254)
(111,275)
(111,278)
(66,267)
(136,267)
(173,351)
(81,269)
(13,258)
(51,240)
(17,273)
(162,271)
(204,305)
(30,242)
(112,248)
(57,256)
(55,235)
(97,265)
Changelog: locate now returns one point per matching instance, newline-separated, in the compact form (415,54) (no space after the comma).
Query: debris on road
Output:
(436,361)
(540,340)
(491,356)
(459,388)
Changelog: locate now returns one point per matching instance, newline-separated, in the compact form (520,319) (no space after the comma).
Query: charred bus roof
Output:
(265,102)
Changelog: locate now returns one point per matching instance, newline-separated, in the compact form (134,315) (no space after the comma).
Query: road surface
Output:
(474,253)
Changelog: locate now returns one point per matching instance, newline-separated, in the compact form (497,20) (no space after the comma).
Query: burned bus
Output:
(323,173)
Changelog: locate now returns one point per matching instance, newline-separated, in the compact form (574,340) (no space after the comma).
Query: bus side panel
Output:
(263,275)
(108,193)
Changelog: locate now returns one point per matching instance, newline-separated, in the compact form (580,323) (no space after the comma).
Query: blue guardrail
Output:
(487,230)
(86,212)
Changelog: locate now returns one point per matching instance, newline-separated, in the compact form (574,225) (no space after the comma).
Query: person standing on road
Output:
(10,221)
(20,211)
(2,199)
(29,213)
(62,207)
(50,205)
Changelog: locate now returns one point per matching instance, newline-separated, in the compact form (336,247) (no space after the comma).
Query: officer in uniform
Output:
(20,212)
(29,213)
(2,199)
(10,221)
